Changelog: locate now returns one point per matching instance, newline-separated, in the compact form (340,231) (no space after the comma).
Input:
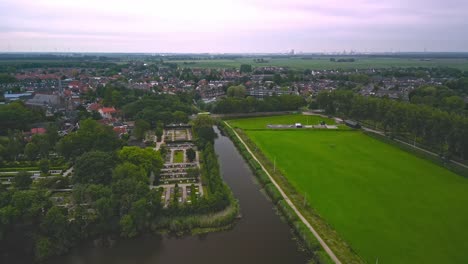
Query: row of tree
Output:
(442,131)
(438,96)
(251,104)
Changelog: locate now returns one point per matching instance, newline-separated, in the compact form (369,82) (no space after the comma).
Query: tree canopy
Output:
(90,136)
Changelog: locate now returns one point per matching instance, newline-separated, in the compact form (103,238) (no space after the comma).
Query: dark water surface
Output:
(259,237)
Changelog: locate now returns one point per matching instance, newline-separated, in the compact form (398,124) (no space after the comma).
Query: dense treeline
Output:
(251,104)
(7,78)
(159,109)
(16,116)
(13,68)
(460,85)
(442,131)
(17,149)
(438,96)
(90,136)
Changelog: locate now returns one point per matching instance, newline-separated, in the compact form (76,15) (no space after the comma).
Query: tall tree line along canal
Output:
(259,237)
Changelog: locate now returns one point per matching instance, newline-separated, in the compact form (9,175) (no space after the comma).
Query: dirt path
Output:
(290,203)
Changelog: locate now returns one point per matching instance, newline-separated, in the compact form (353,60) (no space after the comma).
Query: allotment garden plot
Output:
(389,205)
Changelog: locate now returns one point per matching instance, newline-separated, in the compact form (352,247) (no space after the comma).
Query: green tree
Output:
(105,210)
(141,126)
(453,104)
(42,142)
(129,184)
(236,91)
(127,227)
(146,158)
(191,154)
(140,213)
(159,133)
(203,127)
(55,224)
(94,167)
(44,166)
(43,248)
(31,150)
(180,117)
(245,68)
(91,136)
(22,180)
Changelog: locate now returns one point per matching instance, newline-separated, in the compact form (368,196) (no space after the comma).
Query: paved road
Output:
(290,203)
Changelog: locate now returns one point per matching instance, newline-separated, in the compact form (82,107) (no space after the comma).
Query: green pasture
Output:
(389,205)
(262,122)
(326,64)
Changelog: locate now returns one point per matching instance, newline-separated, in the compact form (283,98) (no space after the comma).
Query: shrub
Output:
(287,211)
(262,177)
(274,194)
(306,235)
(322,257)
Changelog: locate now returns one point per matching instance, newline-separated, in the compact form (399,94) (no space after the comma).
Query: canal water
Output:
(259,237)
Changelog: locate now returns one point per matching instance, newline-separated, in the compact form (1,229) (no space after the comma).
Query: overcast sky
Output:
(233,26)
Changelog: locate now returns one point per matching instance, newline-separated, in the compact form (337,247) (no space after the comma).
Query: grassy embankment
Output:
(386,203)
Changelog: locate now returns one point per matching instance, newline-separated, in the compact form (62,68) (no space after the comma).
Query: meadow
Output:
(389,205)
(324,63)
(262,122)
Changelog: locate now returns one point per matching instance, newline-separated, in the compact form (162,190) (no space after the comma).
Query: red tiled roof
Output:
(38,130)
(94,107)
(120,130)
(108,110)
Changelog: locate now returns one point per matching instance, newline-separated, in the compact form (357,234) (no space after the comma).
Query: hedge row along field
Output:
(388,204)
(312,244)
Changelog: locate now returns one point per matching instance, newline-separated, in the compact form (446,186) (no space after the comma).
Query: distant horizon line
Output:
(345,52)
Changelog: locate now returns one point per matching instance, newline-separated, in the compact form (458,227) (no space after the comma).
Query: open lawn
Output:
(386,203)
(325,63)
(178,156)
(262,122)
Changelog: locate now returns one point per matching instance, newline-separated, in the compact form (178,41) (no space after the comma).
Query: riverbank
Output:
(198,224)
(297,222)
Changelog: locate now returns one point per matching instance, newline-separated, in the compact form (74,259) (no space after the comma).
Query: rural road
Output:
(290,203)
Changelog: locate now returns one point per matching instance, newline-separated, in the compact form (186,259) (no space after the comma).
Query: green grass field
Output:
(386,203)
(178,156)
(262,122)
(326,64)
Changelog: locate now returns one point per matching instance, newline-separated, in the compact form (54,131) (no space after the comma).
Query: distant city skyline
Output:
(242,26)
